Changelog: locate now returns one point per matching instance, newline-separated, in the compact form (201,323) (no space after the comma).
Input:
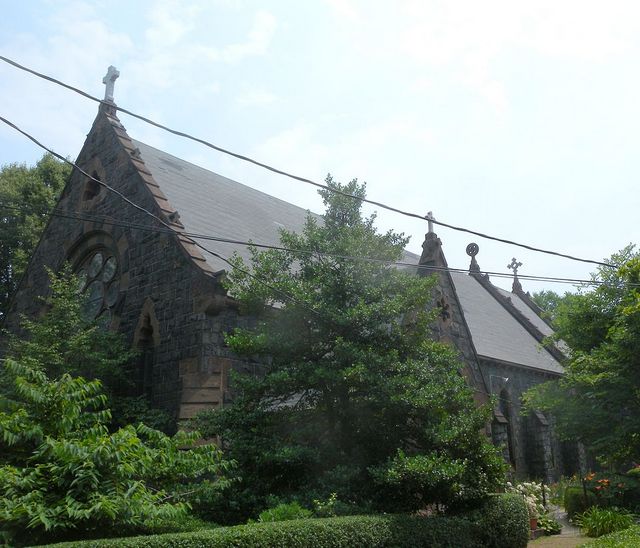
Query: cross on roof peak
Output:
(514,265)
(109,80)
(430,218)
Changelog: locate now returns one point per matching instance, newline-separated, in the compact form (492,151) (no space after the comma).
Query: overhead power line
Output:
(297,177)
(110,221)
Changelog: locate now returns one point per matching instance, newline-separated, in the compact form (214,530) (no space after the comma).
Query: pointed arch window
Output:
(98,278)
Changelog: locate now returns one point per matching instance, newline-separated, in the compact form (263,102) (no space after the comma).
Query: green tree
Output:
(548,301)
(64,340)
(26,197)
(598,400)
(354,398)
(66,469)
(63,474)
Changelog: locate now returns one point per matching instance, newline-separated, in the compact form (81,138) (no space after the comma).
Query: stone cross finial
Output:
(430,219)
(514,265)
(109,80)
(472,251)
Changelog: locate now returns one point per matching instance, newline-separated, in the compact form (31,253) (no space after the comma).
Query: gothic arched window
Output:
(98,276)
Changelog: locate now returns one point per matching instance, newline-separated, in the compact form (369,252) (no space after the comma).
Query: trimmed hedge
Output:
(575,503)
(502,521)
(621,539)
(350,531)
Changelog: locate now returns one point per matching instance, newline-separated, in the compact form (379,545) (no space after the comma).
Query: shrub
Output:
(621,539)
(614,489)
(576,502)
(533,495)
(64,475)
(557,490)
(596,522)
(503,520)
(371,531)
(332,507)
(549,525)
(284,512)
(634,472)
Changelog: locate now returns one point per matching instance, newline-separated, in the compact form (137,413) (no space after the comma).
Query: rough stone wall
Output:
(161,287)
(536,451)
(451,326)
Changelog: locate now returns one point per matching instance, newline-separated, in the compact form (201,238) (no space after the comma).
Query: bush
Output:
(64,475)
(534,495)
(596,522)
(549,525)
(621,539)
(284,512)
(503,520)
(575,501)
(371,531)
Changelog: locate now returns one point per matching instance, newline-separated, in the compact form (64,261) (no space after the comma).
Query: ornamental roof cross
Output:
(109,80)
(514,265)
(430,218)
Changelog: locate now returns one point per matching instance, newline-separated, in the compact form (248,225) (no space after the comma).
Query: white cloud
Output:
(344,9)
(258,39)
(255,97)
(467,38)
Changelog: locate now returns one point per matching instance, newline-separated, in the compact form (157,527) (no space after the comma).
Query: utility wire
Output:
(430,268)
(297,177)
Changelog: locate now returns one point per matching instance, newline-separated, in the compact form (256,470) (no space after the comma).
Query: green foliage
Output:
(351,380)
(596,521)
(62,474)
(284,512)
(557,489)
(597,401)
(548,301)
(396,531)
(64,341)
(34,192)
(634,472)
(333,507)
(135,409)
(621,539)
(549,525)
(576,501)
(503,521)
(534,495)
(612,489)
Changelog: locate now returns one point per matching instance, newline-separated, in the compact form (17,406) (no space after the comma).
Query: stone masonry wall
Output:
(158,277)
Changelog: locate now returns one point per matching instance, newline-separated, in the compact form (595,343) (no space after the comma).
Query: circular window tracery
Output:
(98,281)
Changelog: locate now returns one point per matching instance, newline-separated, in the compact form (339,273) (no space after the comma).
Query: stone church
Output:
(164,293)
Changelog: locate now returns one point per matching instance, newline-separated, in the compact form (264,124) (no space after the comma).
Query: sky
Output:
(515,119)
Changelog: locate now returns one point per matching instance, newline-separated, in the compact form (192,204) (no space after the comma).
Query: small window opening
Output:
(92,188)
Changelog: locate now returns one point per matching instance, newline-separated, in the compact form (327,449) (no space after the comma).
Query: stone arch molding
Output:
(147,322)
(102,274)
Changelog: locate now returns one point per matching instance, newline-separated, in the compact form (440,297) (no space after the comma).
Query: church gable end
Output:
(129,267)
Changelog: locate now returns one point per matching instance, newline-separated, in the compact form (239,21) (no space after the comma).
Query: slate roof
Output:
(211,204)
(496,333)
